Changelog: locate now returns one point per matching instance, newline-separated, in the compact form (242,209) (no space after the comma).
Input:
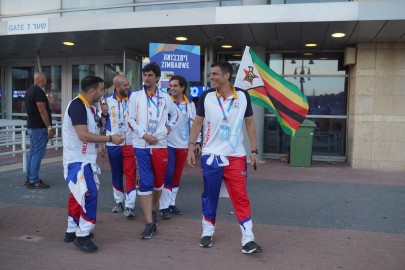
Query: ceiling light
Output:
(324,58)
(181,38)
(226,46)
(237,55)
(311,45)
(338,35)
(68,43)
(308,54)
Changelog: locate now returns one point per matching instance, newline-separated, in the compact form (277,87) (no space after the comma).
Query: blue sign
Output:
(196,91)
(176,59)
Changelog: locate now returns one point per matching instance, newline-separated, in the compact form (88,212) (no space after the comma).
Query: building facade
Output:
(353,82)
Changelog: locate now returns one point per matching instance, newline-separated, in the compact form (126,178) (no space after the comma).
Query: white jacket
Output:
(150,115)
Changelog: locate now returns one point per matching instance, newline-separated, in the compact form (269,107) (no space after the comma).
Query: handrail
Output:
(11,135)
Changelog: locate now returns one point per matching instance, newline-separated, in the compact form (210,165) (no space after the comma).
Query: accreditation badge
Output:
(224,131)
(122,128)
(152,126)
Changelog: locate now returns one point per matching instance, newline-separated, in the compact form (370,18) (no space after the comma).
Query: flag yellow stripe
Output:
(264,98)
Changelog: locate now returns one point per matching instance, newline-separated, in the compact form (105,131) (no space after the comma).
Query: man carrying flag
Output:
(221,112)
(269,90)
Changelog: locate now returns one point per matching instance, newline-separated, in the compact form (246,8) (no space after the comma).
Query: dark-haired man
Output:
(221,111)
(80,131)
(152,115)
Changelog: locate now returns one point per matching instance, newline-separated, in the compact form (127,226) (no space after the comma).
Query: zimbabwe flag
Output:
(269,90)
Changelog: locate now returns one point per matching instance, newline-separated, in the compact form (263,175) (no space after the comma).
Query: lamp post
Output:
(304,71)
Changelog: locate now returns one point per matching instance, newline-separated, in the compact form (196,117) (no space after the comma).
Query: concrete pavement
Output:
(329,216)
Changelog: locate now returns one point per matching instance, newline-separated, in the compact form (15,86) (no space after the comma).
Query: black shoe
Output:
(165,213)
(206,241)
(174,210)
(150,229)
(251,247)
(27,181)
(37,185)
(154,218)
(71,236)
(118,208)
(85,244)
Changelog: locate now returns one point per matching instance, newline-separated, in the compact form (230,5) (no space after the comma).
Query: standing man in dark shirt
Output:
(39,125)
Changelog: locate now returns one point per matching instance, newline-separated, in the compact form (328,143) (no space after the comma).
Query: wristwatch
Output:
(255,151)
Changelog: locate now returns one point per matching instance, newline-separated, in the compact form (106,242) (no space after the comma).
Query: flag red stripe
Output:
(284,100)
(294,124)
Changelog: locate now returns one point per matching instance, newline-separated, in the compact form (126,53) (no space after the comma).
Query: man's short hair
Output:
(90,82)
(182,82)
(154,67)
(224,66)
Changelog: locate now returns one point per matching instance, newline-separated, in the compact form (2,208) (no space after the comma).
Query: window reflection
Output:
(22,78)
(324,84)
(53,87)
(110,71)
(78,74)
(328,140)
(326,95)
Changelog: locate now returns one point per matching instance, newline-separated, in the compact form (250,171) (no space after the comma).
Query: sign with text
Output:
(196,91)
(176,59)
(32,26)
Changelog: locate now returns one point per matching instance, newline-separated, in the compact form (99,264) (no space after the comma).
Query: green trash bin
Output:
(301,145)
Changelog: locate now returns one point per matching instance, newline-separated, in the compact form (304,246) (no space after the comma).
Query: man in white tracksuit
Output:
(122,158)
(152,115)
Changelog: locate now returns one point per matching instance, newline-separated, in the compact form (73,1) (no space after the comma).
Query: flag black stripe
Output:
(281,107)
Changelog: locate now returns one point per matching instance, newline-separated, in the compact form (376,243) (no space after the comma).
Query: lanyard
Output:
(180,108)
(124,109)
(222,108)
(157,106)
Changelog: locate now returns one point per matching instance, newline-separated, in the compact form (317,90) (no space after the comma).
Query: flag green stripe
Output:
(291,87)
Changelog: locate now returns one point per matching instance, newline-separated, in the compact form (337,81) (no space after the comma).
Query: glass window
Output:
(326,95)
(324,84)
(329,136)
(309,66)
(152,6)
(98,11)
(22,78)
(53,87)
(78,73)
(73,4)
(2,93)
(313,1)
(9,7)
(110,71)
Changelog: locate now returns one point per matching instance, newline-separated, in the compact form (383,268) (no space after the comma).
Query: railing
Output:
(13,136)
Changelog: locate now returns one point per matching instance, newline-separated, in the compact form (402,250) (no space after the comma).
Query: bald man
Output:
(122,158)
(39,126)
